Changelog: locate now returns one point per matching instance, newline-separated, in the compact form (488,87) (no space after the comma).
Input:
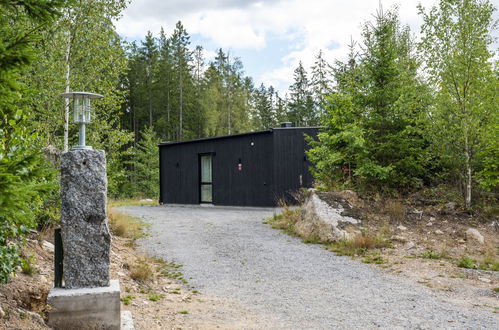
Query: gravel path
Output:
(230,253)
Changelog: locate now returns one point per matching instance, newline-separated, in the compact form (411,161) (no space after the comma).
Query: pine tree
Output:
(146,165)
(320,83)
(24,174)
(182,57)
(301,108)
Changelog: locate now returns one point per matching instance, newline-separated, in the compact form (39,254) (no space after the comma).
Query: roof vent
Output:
(286,124)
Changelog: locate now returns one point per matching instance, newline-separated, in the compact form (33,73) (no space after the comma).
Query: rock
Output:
(473,234)
(451,206)
(325,222)
(409,245)
(402,228)
(85,233)
(429,224)
(399,238)
(432,219)
(484,279)
(147,200)
(47,246)
(439,232)
(2,313)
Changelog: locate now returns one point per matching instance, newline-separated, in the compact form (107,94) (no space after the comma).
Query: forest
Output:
(406,111)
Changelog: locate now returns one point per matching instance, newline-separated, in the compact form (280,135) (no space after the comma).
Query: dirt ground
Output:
(160,298)
(160,301)
(427,243)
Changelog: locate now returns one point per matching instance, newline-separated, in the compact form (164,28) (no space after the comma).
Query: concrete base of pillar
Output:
(86,308)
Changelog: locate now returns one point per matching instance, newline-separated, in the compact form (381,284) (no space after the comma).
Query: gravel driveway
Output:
(230,253)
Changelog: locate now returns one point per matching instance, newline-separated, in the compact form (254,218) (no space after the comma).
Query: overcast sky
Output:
(270,36)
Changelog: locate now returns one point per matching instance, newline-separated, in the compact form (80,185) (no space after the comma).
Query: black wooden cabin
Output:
(251,169)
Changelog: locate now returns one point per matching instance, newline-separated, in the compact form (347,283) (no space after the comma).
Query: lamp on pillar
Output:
(82,113)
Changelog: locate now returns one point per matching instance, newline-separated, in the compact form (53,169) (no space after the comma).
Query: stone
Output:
(429,224)
(85,234)
(127,320)
(409,245)
(85,308)
(473,234)
(399,238)
(147,200)
(2,313)
(402,228)
(450,206)
(439,232)
(484,279)
(325,222)
(47,246)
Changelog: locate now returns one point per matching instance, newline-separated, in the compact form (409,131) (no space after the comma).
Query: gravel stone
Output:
(230,253)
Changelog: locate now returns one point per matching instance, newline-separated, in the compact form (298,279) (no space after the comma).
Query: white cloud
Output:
(246,24)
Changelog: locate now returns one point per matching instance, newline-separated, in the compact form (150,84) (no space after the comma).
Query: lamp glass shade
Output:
(82,110)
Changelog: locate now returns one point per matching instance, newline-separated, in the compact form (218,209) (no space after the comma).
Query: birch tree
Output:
(456,37)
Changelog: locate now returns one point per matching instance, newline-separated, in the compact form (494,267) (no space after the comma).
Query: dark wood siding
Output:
(250,186)
(272,163)
(290,162)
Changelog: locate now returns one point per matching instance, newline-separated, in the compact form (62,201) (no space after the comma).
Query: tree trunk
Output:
(467,152)
(66,108)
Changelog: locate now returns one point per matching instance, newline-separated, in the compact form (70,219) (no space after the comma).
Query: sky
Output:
(269,36)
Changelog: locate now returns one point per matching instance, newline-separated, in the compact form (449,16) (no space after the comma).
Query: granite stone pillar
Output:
(85,233)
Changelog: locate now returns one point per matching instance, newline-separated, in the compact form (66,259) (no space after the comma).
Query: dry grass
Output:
(142,270)
(359,245)
(127,202)
(395,210)
(123,225)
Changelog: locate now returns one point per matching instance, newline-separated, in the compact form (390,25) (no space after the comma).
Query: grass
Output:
(467,262)
(128,202)
(395,210)
(488,263)
(373,258)
(496,290)
(286,220)
(28,265)
(358,245)
(127,300)
(124,226)
(142,271)
(183,312)
(155,297)
(430,254)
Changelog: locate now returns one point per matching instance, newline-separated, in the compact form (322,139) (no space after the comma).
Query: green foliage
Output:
(375,118)
(155,297)
(146,165)
(127,300)
(456,36)
(467,262)
(28,265)
(430,254)
(24,174)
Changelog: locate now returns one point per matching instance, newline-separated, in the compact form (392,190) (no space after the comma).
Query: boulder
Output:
(326,217)
(474,235)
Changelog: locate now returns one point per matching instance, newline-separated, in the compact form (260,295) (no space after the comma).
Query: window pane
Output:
(206,193)
(206,168)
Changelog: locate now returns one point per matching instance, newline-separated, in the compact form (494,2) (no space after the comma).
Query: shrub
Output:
(467,262)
